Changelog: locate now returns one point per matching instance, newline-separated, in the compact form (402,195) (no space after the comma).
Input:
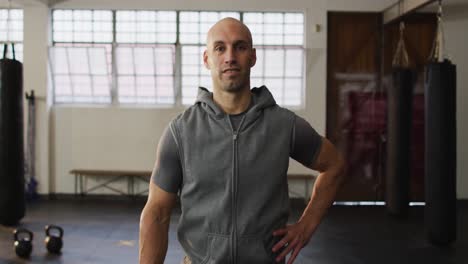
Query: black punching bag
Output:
(12,199)
(440,181)
(399,117)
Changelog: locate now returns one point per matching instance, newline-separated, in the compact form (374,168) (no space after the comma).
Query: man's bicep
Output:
(167,171)
(161,199)
(327,157)
(307,142)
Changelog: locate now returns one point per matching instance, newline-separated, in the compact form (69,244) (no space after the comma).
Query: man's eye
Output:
(219,48)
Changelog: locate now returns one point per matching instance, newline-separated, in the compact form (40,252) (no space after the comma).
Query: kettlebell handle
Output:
(18,231)
(52,227)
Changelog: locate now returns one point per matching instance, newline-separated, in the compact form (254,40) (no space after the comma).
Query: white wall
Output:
(125,138)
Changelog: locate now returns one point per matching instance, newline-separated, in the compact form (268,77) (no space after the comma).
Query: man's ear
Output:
(253,58)
(205,59)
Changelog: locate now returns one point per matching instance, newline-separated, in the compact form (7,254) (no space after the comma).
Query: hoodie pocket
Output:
(218,249)
(253,249)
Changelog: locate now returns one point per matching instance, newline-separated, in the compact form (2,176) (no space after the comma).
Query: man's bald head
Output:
(229,24)
(229,55)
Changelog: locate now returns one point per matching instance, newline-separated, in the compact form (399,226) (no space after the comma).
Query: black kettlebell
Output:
(53,241)
(23,245)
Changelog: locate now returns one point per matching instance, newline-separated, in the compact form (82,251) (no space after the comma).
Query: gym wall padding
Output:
(440,155)
(399,124)
(12,199)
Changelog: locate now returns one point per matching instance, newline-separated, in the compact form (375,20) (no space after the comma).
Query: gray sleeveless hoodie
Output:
(235,189)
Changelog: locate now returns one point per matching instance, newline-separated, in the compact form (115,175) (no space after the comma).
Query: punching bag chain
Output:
(400,59)
(437,52)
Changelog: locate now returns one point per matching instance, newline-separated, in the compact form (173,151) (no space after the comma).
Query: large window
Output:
(155,57)
(145,56)
(11,30)
(81,58)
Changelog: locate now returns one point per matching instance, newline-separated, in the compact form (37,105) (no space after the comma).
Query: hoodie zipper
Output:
(235,172)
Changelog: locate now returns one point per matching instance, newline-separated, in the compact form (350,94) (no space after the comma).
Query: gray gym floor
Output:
(106,231)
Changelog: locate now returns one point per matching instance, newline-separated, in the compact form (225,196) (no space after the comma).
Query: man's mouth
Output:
(231,70)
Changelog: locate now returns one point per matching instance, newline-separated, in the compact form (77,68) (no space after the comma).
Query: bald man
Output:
(228,155)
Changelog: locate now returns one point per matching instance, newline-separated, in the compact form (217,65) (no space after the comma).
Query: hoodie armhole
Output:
(293,136)
(176,136)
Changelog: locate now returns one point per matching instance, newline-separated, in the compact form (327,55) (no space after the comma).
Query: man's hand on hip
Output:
(295,237)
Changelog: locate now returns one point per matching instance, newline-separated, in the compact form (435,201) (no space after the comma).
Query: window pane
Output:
(146,26)
(194,73)
(152,79)
(124,59)
(63,85)
(126,86)
(258,69)
(144,61)
(294,91)
(101,86)
(78,60)
(11,29)
(80,74)
(195,25)
(273,28)
(274,63)
(145,86)
(281,69)
(294,62)
(164,58)
(82,26)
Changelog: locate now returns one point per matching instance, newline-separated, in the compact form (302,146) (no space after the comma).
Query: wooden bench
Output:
(111,176)
(131,177)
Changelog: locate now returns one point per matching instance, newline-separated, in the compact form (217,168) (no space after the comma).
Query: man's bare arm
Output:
(154,225)
(330,165)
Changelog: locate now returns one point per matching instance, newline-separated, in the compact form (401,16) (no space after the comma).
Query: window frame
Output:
(15,42)
(178,64)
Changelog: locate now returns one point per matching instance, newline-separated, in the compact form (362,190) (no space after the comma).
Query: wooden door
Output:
(354,100)
(359,55)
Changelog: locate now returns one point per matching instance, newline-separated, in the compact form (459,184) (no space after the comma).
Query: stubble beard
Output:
(235,84)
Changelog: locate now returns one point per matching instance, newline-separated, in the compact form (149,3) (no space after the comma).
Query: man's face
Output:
(229,56)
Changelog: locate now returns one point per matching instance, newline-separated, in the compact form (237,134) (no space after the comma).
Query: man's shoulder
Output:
(279,111)
(186,114)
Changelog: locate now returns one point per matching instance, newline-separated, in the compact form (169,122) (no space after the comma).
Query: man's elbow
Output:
(340,169)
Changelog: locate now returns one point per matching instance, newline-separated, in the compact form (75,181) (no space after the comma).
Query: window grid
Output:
(90,26)
(72,80)
(271,31)
(275,28)
(156,70)
(146,27)
(11,30)
(276,80)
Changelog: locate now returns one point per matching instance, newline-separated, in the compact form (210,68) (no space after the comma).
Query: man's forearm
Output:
(154,226)
(323,195)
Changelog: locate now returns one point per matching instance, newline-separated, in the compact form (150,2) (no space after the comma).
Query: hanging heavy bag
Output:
(12,200)
(400,98)
(440,155)
(400,101)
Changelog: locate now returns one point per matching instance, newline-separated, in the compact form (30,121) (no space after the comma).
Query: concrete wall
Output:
(111,137)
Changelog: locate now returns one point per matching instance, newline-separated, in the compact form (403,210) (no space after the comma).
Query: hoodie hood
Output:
(261,96)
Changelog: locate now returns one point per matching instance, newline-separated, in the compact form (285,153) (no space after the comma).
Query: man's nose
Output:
(230,56)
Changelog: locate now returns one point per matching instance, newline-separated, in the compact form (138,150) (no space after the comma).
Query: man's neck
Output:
(232,102)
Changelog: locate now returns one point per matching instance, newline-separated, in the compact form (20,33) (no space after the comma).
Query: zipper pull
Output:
(234,137)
